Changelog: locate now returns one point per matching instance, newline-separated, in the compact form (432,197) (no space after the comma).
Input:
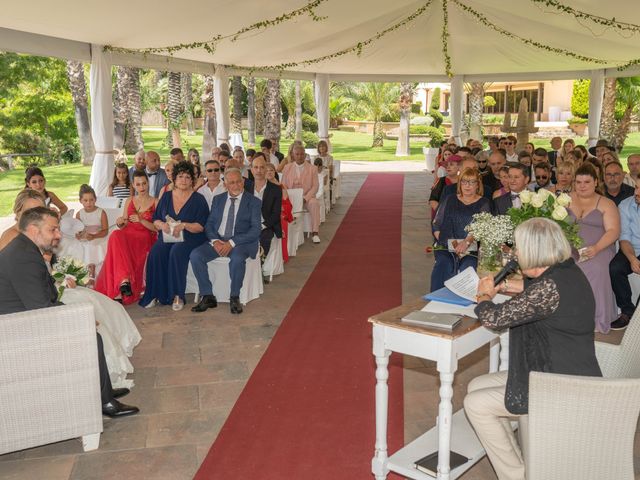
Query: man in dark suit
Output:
(492,180)
(26,284)
(233,228)
(271,196)
(139,164)
(518,181)
(156,175)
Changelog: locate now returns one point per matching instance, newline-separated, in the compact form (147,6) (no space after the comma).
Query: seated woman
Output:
(122,274)
(453,215)
(168,170)
(119,333)
(169,257)
(325,156)
(121,184)
(287,208)
(504,182)
(451,164)
(564,178)
(34,178)
(550,325)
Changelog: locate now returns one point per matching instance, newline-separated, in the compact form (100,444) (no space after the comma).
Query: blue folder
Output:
(445,295)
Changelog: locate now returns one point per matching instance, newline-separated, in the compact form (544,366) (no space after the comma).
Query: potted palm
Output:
(431,152)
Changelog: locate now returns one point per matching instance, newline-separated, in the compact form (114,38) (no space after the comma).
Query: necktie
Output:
(231,218)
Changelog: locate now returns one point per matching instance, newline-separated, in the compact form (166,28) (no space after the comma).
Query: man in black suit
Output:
(26,284)
(518,181)
(271,196)
(492,180)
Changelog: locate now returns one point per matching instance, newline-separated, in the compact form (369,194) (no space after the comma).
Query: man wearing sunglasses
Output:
(510,147)
(214,185)
(542,177)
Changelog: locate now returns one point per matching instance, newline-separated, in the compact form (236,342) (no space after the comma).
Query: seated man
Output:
(518,181)
(542,172)
(26,284)
(234,230)
(627,260)
(266,147)
(301,174)
(614,187)
(139,163)
(271,197)
(176,155)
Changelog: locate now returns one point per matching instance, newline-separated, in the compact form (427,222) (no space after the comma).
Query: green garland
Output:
(445,39)
(357,48)
(210,45)
(483,20)
(606,22)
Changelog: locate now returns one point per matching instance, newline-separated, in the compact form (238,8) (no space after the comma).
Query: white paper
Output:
(441,307)
(465,284)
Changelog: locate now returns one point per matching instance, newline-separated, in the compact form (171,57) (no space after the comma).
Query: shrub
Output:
(438,118)
(436,136)
(416,107)
(577,120)
(489,101)
(426,120)
(419,129)
(580,98)
(310,139)
(309,123)
(435,99)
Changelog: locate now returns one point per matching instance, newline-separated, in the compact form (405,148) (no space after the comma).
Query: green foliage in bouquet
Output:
(67,267)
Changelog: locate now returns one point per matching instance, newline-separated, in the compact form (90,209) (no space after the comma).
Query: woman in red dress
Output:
(286,216)
(122,274)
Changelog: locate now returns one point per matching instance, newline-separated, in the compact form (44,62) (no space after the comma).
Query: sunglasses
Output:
(482,161)
(211,170)
(540,177)
(508,143)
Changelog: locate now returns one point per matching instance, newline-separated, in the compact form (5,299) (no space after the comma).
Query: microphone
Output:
(510,267)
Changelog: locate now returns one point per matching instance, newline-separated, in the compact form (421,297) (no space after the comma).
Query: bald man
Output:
(156,174)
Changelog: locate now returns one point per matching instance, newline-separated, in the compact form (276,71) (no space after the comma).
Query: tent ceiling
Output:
(414,50)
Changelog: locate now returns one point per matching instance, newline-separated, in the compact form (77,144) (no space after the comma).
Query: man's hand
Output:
(635,265)
(223,248)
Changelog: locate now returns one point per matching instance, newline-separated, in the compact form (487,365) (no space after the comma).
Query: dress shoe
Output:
(115,409)
(236,306)
(152,303)
(206,302)
(621,323)
(315,238)
(120,392)
(125,289)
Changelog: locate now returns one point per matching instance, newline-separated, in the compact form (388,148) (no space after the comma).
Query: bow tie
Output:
(514,196)
(151,174)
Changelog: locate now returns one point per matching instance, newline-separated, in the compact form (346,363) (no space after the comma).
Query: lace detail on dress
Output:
(535,303)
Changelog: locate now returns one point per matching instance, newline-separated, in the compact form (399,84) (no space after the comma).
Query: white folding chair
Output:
(296,228)
(113,207)
(274,263)
(336,191)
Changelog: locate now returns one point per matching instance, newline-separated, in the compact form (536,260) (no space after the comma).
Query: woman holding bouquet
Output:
(599,223)
(453,215)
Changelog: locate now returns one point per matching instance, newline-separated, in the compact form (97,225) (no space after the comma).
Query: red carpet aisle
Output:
(308,410)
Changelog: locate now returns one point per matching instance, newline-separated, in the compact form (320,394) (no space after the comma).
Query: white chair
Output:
(622,361)
(580,427)
(49,378)
(252,286)
(274,263)
(296,228)
(113,207)
(634,282)
(320,198)
(336,191)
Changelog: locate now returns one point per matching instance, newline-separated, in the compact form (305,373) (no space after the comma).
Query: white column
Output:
(596,94)
(322,106)
(101,119)
(455,107)
(221,99)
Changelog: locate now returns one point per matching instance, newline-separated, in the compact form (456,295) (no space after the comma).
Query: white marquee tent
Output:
(485,40)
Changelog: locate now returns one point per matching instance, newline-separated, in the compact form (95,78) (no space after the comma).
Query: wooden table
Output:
(452,432)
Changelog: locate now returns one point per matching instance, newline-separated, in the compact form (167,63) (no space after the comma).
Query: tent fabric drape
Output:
(322,106)
(221,99)
(596,94)
(455,107)
(101,120)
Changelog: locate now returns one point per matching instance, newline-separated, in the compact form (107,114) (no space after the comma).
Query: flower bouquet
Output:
(67,268)
(545,204)
(492,232)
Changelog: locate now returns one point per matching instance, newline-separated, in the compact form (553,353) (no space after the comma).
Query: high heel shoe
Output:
(177,305)
(125,289)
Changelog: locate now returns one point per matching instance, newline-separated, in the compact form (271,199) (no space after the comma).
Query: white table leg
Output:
(447,365)
(504,351)
(379,461)
(494,355)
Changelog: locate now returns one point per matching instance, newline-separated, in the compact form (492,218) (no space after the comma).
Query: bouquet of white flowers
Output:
(545,204)
(67,268)
(492,232)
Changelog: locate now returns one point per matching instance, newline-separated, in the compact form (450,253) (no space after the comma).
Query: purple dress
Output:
(596,269)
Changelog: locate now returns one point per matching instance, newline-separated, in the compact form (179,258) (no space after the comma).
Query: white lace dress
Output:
(88,252)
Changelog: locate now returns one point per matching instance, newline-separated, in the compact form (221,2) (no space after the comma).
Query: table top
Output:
(393,318)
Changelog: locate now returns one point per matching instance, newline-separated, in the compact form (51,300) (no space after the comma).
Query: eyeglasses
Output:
(612,175)
(211,170)
(508,143)
(469,182)
(542,177)
(482,161)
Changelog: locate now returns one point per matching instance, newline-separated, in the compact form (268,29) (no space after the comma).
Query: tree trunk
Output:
(403,148)
(273,112)
(378,135)
(120,108)
(133,133)
(298,110)
(174,109)
(623,129)
(209,139)
(186,92)
(607,119)
(251,110)
(476,108)
(78,88)
(236,90)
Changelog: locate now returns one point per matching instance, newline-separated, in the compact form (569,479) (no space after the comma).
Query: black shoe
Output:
(206,302)
(266,280)
(236,306)
(115,409)
(621,323)
(125,289)
(120,392)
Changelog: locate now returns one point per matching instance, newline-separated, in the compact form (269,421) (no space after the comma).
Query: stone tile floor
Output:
(190,369)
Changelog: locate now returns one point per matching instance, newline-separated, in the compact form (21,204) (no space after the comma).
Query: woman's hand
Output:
(134,218)
(590,251)
(70,282)
(461,247)
(178,228)
(164,226)
(486,288)
(121,222)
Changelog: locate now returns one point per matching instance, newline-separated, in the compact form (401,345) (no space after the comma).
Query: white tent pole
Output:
(322,106)
(100,90)
(455,106)
(596,94)
(221,99)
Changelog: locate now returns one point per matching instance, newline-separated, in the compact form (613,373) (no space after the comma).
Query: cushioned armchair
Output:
(49,380)
(622,361)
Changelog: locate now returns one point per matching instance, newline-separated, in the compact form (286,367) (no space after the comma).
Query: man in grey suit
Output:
(518,181)
(157,176)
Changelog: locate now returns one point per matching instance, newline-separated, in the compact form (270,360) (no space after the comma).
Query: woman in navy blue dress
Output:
(168,261)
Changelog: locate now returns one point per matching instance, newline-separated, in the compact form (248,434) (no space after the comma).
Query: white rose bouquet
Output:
(545,204)
(67,268)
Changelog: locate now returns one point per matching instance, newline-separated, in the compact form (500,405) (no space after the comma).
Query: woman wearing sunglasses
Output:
(214,186)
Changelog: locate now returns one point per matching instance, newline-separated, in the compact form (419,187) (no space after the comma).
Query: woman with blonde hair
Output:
(564,178)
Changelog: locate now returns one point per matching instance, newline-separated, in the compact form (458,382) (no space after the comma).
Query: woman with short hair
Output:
(550,323)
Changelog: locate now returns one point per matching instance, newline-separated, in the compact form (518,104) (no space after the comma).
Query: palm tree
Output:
(209,139)
(298,110)
(251,110)
(78,88)
(133,136)
(186,92)
(628,94)
(608,116)
(337,107)
(174,109)
(403,148)
(260,94)
(120,108)
(476,108)
(273,112)
(236,89)
(375,100)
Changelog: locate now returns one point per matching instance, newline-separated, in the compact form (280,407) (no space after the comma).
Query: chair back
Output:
(628,364)
(581,427)
(296,198)
(336,168)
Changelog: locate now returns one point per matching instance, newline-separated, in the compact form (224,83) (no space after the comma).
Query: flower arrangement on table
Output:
(546,205)
(492,232)
(68,268)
